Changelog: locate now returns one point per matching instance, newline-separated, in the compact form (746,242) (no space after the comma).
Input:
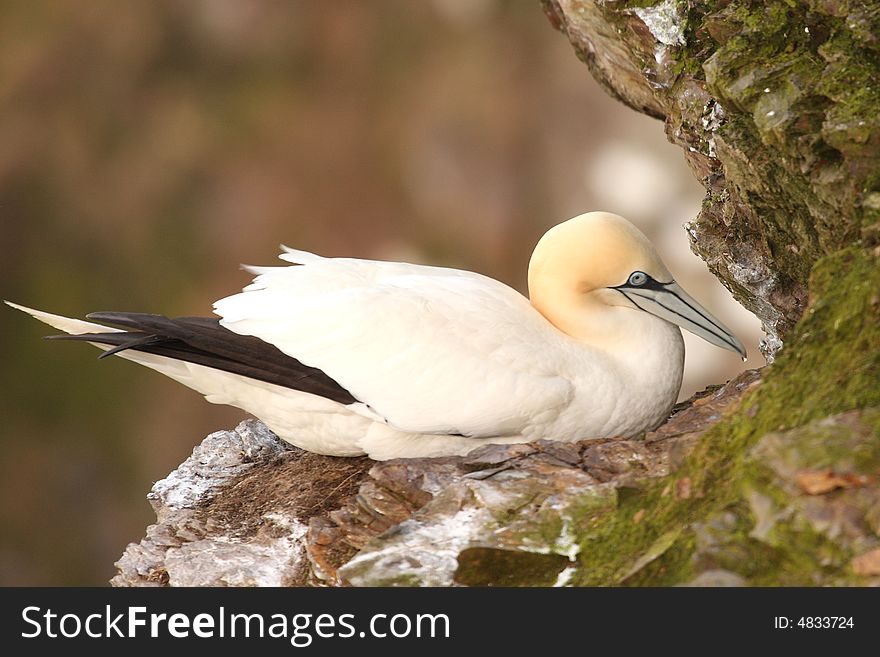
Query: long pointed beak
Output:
(670,302)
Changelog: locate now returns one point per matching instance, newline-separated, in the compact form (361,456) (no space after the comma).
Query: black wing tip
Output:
(112,315)
(203,341)
(82,337)
(120,340)
(114,350)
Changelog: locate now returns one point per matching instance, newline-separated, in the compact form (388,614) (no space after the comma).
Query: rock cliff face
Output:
(771,479)
(774,105)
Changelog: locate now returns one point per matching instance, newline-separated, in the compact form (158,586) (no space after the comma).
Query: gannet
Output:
(345,357)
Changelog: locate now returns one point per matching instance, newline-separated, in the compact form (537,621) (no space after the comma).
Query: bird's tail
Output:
(227,368)
(66,324)
(175,369)
(198,352)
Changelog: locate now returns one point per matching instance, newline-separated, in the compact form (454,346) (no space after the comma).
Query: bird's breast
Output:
(627,390)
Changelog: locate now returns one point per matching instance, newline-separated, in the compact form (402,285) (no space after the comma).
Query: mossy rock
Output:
(817,413)
(775,105)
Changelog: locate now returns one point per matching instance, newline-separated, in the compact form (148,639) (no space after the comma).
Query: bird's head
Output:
(600,262)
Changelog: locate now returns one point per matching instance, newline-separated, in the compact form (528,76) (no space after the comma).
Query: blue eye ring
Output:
(638,278)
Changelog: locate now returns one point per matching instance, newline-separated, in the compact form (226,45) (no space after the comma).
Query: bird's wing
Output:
(428,349)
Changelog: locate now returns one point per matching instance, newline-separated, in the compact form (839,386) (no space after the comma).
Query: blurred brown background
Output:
(147,148)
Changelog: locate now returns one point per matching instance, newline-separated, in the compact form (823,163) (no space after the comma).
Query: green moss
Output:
(831,364)
(672,567)
(787,552)
(799,528)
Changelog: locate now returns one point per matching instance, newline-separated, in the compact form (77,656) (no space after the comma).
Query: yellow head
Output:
(593,251)
(587,273)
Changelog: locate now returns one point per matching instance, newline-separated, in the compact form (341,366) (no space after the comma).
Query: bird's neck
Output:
(641,357)
(649,350)
(583,317)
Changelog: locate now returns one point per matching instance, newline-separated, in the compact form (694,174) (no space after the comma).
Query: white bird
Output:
(345,357)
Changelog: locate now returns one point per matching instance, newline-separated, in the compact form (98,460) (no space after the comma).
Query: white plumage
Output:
(441,361)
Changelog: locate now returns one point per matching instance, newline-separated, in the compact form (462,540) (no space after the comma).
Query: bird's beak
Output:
(670,302)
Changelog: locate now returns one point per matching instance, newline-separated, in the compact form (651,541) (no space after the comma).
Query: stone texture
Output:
(828,532)
(236,513)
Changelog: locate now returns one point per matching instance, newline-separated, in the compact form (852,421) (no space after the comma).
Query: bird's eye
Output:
(638,278)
